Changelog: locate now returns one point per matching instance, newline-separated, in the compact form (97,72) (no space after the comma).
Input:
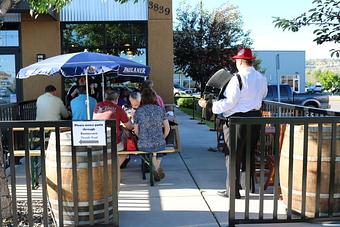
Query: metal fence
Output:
(77,185)
(304,152)
(18,111)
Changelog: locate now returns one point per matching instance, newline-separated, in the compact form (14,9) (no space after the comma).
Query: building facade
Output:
(139,31)
(287,67)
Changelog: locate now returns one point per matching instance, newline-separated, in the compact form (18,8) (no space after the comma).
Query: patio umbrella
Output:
(84,64)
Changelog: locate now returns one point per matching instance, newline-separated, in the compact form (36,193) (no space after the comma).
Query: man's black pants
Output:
(241,132)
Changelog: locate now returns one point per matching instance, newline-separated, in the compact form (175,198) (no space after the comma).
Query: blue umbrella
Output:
(84,64)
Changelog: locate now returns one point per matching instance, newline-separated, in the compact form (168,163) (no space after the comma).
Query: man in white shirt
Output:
(243,98)
(50,107)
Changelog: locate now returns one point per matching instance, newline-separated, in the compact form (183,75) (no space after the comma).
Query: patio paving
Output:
(187,195)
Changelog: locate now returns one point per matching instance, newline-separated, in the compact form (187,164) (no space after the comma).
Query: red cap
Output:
(244,53)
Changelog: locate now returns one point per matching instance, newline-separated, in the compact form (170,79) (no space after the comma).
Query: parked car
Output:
(180,90)
(5,83)
(5,94)
(317,100)
(315,88)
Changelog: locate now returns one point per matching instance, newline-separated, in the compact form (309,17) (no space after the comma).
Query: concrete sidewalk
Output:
(187,195)
(178,199)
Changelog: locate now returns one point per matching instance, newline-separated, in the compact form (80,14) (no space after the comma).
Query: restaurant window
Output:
(123,39)
(9,36)
(120,39)
(9,62)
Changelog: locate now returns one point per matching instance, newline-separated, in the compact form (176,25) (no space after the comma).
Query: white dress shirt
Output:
(254,89)
(50,108)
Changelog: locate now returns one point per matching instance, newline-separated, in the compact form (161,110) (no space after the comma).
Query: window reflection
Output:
(112,38)
(7,78)
(127,40)
(138,55)
(9,38)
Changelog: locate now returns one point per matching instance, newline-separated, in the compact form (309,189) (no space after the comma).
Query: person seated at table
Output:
(79,106)
(73,91)
(124,97)
(149,121)
(108,109)
(50,107)
(149,84)
(134,100)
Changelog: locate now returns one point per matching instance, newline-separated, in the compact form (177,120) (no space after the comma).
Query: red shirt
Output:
(112,112)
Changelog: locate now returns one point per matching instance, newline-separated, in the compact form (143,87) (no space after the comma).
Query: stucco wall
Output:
(289,63)
(39,36)
(160,48)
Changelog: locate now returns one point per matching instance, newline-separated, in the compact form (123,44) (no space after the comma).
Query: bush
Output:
(185,102)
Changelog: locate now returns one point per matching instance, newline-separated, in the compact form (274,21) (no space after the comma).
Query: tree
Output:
(204,42)
(328,79)
(325,16)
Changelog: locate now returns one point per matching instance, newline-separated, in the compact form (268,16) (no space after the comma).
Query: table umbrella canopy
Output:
(84,63)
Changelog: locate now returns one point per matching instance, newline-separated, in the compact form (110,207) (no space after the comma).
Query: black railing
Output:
(78,185)
(285,109)
(304,156)
(18,111)
(193,100)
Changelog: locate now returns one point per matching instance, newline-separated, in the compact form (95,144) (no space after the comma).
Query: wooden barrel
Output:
(82,181)
(311,183)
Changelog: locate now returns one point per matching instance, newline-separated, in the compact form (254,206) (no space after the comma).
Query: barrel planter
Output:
(311,183)
(82,181)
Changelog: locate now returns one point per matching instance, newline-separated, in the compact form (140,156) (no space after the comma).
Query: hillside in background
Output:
(320,64)
(323,64)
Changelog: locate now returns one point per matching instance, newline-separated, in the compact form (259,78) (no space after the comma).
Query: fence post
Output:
(201,121)
(232,174)
(215,126)
(193,108)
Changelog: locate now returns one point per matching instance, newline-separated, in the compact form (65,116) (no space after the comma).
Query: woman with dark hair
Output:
(149,121)
(149,84)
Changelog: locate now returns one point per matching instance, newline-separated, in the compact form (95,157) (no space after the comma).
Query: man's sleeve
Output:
(123,116)
(265,89)
(232,94)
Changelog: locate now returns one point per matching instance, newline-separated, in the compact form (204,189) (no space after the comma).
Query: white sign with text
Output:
(89,133)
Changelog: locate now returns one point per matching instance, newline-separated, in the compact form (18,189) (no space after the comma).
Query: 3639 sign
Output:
(159,8)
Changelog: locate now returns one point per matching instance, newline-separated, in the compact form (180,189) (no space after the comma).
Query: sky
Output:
(258,15)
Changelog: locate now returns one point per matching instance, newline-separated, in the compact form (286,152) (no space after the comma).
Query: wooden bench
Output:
(147,156)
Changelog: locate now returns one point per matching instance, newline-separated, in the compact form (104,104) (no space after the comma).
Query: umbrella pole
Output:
(87,97)
(103,87)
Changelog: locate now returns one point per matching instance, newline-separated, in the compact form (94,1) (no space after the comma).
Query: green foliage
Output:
(325,16)
(187,101)
(44,6)
(204,42)
(328,79)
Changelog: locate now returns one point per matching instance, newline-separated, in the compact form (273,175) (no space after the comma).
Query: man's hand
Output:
(202,102)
